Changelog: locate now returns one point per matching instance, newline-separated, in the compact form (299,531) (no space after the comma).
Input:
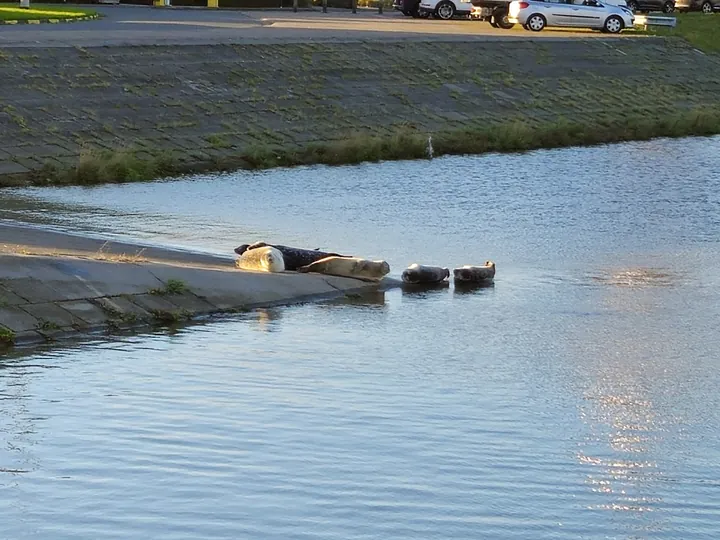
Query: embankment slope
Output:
(220,106)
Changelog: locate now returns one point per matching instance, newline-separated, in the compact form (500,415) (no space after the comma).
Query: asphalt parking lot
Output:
(139,25)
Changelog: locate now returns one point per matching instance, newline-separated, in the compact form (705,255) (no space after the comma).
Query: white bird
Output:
(429,149)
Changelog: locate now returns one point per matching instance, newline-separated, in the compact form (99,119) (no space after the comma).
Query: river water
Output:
(577,398)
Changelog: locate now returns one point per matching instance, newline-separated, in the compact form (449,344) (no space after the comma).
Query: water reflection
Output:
(266,319)
(637,277)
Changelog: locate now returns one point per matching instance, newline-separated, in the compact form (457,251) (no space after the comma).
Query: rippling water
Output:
(578,398)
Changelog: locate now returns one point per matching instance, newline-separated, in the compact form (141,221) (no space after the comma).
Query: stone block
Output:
(9,167)
(9,298)
(34,290)
(17,320)
(50,316)
(191,303)
(154,303)
(90,314)
(121,307)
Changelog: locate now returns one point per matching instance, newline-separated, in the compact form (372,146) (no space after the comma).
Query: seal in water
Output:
(294,257)
(475,274)
(263,259)
(417,274)
(349,267)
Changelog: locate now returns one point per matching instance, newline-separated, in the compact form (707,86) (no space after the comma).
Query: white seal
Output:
(262,259)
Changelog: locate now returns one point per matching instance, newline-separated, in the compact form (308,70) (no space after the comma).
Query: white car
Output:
(536,15)
(445,9)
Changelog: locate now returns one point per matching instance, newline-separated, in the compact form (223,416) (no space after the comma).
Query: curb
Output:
(49,21)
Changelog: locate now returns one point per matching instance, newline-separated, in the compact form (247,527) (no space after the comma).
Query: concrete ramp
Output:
(46,297)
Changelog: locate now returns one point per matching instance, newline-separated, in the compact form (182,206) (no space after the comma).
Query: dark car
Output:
(706,6)
(411,8)
(645,6)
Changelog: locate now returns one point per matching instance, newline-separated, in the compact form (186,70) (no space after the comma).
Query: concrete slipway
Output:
(54,285)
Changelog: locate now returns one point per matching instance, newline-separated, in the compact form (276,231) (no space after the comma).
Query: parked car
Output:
(536,15)
(706,6)
(411,8)
(646,6)
(445,9)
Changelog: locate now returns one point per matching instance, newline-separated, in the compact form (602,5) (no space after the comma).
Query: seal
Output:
(294,257)
(417,274)
(475,274)
(349,267)
(262,259)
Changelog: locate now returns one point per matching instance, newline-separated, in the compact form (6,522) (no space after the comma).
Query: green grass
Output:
(512,136)
(13,12)
(701,30)
(7,336)
(172,286)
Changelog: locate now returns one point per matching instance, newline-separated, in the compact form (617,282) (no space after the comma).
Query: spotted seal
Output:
(352,267)
(294,257)
(419,274)
(475,274)
(263,259)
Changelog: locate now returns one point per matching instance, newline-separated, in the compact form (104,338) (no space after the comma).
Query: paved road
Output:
(139,25)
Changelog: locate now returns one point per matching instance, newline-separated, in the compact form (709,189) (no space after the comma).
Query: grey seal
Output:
(351,267)
(475,274)
(418,274)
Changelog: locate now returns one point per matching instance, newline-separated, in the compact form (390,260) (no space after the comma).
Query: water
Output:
(578,398)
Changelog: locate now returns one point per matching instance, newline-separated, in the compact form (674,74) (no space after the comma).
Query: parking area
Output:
(137,25)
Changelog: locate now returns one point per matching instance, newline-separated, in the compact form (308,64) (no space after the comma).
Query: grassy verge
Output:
(701,30)
(124,166)
(12,12)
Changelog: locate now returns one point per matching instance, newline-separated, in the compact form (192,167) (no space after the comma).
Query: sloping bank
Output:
(75,115)
(56,286)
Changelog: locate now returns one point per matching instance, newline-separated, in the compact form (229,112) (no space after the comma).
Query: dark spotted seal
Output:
(418,274)
(294,257)
(475,274)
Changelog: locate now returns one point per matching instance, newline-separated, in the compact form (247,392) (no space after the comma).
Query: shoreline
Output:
(122,166)
(132,113)
(56,286)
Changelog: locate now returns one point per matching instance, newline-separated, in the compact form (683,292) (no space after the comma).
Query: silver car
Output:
(535,15)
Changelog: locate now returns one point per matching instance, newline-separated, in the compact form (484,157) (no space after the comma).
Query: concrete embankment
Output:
(54,285)
(216,106)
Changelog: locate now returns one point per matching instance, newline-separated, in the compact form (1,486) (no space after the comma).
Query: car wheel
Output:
(445,10)
(707,7)
(614,25)
(668,7)
(632,5)
(501,19)
(536,22)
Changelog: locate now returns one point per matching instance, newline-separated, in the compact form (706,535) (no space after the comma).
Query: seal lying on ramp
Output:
(294,257)
(416,274)
(262,259)
(351,267)
(475,274)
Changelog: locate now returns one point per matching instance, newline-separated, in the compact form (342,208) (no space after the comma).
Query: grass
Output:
(12,12)
(172,286)
(47,326)
(512,136)
(171,317)
(7,336)
(108,166)
(699,29)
